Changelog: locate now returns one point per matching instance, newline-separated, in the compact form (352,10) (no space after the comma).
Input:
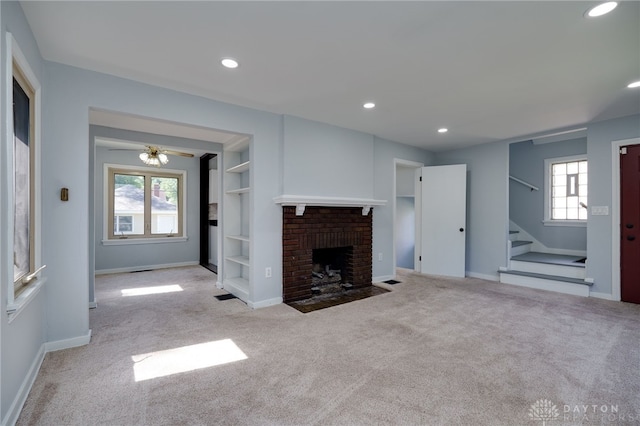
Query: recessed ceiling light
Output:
(634,84)
(443,130)
(229,63)
(602,9)
(369,105)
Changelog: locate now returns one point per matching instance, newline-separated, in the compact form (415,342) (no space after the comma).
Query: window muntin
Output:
(23,178)
(144,204)
(568,189)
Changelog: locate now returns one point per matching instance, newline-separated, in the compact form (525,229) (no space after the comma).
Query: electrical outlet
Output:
(379,257)
(267,272)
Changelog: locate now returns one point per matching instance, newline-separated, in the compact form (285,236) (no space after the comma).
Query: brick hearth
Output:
(318,228)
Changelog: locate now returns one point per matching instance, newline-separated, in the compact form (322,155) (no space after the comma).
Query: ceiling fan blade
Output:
(125,149)
(171,152)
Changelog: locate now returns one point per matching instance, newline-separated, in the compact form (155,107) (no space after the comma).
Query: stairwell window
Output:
(144,204)
(566,191)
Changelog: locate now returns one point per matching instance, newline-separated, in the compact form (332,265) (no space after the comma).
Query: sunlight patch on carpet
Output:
(144,291)
(187,358)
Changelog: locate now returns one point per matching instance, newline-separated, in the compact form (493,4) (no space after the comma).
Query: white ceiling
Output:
(486,70)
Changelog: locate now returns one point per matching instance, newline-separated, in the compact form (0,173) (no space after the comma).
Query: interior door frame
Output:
(616,293)
(204,212)
(416,166)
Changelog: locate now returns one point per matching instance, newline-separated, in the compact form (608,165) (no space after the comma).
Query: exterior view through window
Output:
(22,188)
(569,190)
(144,204)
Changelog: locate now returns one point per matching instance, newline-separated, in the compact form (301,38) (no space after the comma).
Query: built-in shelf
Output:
(237,219)
(243,260)
(238,283)
(242,167)
(238,191)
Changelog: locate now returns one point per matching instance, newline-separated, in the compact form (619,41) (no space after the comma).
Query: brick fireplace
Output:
(343,228)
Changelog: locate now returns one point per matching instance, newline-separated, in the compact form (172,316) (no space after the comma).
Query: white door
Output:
(444,213)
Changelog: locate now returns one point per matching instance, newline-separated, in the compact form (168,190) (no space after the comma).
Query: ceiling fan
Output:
(155,155)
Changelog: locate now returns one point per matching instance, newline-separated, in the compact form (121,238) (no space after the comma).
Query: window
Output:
(23,179)
(123,224)
(144,203)
(566,190)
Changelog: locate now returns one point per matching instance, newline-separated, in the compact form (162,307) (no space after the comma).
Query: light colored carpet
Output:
(432,351)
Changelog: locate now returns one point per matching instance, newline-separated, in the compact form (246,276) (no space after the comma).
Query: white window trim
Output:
(547,221)
(15,305)
(106,241)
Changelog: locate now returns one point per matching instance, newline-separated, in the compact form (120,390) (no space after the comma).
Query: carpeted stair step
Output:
(519,247)
(549,264)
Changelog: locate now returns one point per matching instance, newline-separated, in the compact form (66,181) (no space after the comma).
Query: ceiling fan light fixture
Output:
(634,85)
(153,158)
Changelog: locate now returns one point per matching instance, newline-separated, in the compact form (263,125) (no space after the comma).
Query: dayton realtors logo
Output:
(544,410)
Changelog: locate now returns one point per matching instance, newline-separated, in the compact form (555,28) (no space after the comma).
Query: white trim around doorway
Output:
(408,164)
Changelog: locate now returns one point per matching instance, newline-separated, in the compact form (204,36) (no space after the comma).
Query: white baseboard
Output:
(16,407)
(604,296)
(145,267)
(482,276)
(265,303)
(383,278)
(68,343)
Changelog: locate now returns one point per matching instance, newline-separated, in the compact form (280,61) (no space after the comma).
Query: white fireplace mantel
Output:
(300,202)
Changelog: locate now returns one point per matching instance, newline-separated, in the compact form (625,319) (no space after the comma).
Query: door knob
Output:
(461,229)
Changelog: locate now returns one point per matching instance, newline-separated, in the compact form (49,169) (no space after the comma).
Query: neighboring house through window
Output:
(144,203)
(566,190)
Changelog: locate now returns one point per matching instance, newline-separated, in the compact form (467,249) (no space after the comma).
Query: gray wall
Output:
(22,340)
(325,160)
(72,92)
(384,169)
(487,205)
(526,207)
(599,228)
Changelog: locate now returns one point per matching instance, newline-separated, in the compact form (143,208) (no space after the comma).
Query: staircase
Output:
(545,271)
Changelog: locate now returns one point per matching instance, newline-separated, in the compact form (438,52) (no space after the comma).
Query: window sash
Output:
(24,180)
(568,188)
(149,216)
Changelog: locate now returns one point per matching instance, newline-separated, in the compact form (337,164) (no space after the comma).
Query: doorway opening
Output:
(209,206)
(405,204)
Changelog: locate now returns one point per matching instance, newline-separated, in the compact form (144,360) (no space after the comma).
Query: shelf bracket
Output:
(366,210)
(300,209)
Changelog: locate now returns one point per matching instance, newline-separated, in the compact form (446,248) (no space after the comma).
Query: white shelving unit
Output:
(236,219)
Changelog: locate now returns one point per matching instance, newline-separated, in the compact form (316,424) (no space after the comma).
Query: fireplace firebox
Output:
(325,241)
